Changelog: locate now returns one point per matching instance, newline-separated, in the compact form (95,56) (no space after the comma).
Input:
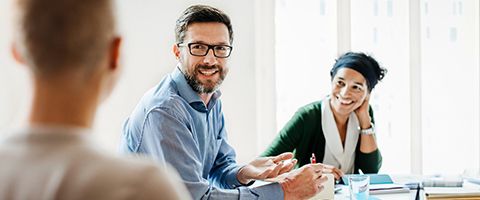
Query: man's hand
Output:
(304,182)
(266,167)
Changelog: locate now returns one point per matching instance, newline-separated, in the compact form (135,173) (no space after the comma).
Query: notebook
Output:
(374,179)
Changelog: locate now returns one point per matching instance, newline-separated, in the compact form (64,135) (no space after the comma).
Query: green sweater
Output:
(303,135)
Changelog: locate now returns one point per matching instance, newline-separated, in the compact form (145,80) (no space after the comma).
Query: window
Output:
(305,51)
(449,73)
(450,86)
(380,28)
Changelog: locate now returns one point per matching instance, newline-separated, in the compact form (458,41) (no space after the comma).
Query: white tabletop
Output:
(343,194)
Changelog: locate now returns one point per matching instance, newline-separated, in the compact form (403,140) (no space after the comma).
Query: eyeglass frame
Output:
(208,49)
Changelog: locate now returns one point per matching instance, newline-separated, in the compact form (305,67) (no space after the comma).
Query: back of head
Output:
(200,13)
(57,36)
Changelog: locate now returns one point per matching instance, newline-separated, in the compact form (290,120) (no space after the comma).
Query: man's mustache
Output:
(208,67)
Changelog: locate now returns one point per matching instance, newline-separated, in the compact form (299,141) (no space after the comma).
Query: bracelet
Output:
(368,131)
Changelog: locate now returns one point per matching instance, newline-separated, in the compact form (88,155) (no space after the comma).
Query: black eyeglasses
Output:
(199,49)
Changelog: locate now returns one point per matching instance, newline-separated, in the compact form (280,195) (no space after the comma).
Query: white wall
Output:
(14,86)
(148,30)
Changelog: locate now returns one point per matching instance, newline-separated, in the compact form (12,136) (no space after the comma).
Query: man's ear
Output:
(176,51)
(16,54)
(115,53)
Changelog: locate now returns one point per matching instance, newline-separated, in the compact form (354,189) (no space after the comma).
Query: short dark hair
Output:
(56,36)
(200,13)
(362,63)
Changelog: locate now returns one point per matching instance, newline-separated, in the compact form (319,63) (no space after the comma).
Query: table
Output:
(400,179)
(343,194)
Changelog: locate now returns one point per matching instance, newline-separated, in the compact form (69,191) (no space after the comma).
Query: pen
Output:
(313,160)
(417,197)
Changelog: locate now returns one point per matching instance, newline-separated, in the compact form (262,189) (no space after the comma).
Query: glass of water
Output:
(359,185)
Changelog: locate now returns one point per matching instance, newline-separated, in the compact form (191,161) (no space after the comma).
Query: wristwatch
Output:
(368,131)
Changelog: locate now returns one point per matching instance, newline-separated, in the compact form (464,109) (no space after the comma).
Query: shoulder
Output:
(148,180)
(112,166)
(311,110)
(81,170)
(164,94)
(306,118)
(164,98)
(312,107)
(160,100)
(131,174)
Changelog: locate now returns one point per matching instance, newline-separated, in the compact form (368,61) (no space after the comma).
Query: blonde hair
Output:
(55,36)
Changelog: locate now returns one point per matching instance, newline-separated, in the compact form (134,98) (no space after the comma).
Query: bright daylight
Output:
(251,99)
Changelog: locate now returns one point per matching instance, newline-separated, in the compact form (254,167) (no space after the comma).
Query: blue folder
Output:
(374,178)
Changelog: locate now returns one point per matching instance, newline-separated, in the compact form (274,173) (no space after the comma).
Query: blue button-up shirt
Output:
(172,124)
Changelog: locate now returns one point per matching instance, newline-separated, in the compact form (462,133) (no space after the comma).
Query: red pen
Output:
(313,160)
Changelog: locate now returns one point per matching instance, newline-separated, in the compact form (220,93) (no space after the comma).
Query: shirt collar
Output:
(58,131)
(53,128)
(187,93)
(335,153)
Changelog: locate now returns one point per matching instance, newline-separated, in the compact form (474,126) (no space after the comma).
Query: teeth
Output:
(208,72)
(345,101)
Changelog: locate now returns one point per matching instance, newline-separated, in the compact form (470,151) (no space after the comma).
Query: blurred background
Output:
(426,109)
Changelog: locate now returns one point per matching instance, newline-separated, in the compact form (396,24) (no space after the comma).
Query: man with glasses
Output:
(199,49)
(180,121)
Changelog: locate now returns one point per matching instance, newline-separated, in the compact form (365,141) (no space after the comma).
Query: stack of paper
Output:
(443,181)
(328,189)
(387,188)
(475,180)
(451,193)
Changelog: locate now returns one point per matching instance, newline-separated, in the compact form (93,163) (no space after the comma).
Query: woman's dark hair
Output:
(362,63)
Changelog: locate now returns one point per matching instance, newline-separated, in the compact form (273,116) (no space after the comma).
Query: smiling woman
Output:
(338,129)
(348,92)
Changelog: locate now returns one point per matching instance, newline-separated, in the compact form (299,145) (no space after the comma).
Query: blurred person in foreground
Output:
(71,51)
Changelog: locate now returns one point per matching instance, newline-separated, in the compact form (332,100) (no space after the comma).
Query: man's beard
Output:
(201,88)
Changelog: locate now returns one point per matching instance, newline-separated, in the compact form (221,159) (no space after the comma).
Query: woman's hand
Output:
(337,173)
(362,113)
(367,143)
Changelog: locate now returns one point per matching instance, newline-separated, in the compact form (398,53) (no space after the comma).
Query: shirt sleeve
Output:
(167,137)
(225,169)
(368,162)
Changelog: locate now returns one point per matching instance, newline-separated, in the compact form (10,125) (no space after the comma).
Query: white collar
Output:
(335,154)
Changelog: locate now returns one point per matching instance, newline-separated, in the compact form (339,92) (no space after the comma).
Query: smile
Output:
(208,72)
(344,102)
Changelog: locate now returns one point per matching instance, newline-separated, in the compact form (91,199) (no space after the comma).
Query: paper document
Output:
(328,191)
(451,193)
(473,180)
(388,188)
